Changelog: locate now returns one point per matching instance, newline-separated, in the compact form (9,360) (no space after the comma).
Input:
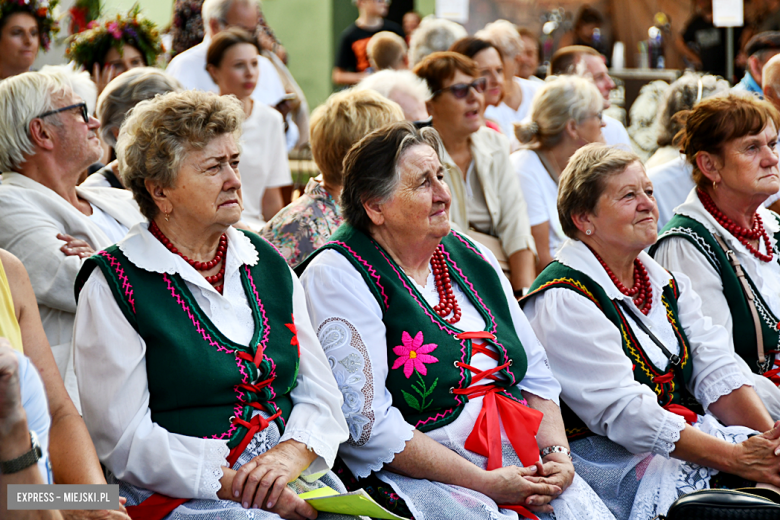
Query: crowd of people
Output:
(485,305)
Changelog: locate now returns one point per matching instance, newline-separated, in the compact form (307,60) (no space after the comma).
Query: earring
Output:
(166,216)
(588,232)
(714,185)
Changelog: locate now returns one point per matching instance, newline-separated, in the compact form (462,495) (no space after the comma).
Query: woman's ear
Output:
(160,197)
(374,210)
(583,222)
(213,72)
(709,165)
(571,129)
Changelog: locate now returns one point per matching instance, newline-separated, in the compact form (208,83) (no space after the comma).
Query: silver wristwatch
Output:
(24,461)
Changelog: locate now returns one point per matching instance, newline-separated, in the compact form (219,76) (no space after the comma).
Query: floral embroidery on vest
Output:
(413,355)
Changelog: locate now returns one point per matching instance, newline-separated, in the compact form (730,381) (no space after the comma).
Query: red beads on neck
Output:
(641,292)
(199,266)
(441,274)
(742,234)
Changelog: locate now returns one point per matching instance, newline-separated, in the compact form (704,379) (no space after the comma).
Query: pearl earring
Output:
(588,232)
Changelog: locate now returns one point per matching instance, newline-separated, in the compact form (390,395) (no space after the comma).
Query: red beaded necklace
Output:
(742,234)
(200,266)
(641,292)
(447,301)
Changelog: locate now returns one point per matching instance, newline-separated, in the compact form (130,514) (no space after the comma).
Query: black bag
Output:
(726,504)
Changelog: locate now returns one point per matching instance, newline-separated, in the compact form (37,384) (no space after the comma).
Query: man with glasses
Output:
(352,58)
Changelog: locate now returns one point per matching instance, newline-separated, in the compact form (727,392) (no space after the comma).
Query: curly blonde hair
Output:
(159,133)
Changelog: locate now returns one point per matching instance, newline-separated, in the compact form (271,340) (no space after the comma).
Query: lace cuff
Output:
(214,459)
(719,383)
(327,453)
(668,434)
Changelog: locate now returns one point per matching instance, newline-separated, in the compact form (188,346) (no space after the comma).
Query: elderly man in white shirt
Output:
(47,138)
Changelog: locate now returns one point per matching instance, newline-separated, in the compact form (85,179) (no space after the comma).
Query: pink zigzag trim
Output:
(371,270)
(440,415)
(266,326)
(468,245)
(120,273)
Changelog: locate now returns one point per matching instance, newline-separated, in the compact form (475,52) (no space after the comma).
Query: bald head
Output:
(771,81)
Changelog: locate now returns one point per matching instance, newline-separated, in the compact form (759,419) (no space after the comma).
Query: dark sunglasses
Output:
(461,90)
(82,106)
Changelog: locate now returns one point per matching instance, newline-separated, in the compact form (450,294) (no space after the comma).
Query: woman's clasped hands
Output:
(533,487)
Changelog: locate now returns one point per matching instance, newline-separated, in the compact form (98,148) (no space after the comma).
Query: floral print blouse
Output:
(304,225)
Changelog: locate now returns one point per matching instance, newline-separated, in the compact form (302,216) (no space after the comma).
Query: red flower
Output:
(294,330)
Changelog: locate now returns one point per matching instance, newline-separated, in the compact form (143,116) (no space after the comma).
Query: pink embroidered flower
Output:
(413,354)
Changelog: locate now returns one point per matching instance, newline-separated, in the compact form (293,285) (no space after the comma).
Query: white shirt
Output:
(115,392)
(113,229)
(540,193)
(678,254)
(615,133)
(349,324)
(36,406)
(505,116)
(189,68)
(586,354)
(672,182)
(263,161)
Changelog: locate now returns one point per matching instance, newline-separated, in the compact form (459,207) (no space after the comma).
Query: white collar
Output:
(149,254)
(576,255)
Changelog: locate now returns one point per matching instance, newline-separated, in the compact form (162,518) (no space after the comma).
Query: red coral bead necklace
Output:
(200,266)
(641,292)
(742,234)
(441,275)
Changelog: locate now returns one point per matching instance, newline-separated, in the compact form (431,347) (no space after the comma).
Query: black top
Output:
(709,42)
(352,55)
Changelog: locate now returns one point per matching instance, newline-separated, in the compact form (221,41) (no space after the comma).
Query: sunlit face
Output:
(420,206)
(598,72)
(461,116)
(491,67)
(207,192)
(77,142)
(131,58)
(529,58)
(238,71)
(19,42)
(625,218)
(748,165)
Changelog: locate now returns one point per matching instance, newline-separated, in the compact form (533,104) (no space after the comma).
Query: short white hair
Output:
(218,10)
(503,34)
(22,99)
(80,82)
(385,82)
(433,35)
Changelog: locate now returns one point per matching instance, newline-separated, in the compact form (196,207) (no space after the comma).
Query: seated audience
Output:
(433,35)
(402,86)
(491,67)
(638,362)
(116,100)
(25,28)
(723,239)
(116,45)
(486,194)
(398,299)
(232,62)
(345,118)
(529,63)
(264,409)
(760,49)
(47,140)
(588,63)
(387,50)
(566,115)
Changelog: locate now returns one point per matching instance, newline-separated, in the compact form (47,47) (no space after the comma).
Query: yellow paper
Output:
(357,503)
(319,493)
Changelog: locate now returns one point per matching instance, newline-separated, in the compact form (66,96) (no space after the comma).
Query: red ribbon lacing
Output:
(774,374)
(686,413)
(521,423)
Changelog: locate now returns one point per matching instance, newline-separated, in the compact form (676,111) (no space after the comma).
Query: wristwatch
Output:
(549,450)
(25,461)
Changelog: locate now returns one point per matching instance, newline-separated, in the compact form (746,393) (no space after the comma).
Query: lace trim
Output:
(313,443)
(377,465)
(668,434)
(721,382)
(213,462)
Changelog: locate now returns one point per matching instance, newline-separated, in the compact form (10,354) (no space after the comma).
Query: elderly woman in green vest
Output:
(637,361)
(432,353)
(724,238)
(205,388)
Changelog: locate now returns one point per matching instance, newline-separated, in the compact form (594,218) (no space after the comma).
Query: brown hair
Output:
(717,120)
(386,50)
(565,59)
(471,46)
(225,40)
(439,67)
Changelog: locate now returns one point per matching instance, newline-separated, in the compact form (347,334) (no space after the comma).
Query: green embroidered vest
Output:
(743,329)
(198,378)
(422,348)
(674,391)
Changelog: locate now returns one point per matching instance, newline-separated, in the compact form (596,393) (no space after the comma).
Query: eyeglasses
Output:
(599,115)
(461,90)
(82,106)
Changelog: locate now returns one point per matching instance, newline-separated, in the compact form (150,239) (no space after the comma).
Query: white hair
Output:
(433,35)
(80,82)
(503,34)
(385,82)
(22,99)
(218,10)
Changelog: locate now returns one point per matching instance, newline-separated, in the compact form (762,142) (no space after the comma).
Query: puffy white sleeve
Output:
(349,325)
(316,419)
(110,361)
(597,379)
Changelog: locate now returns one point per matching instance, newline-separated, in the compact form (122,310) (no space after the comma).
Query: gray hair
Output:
(385,82)
(683,94)
(159,133)
(22,99)
(433,35)
(218,10)
(126,91)
(371,170)
(560,100)
(503,34)
(80,81)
